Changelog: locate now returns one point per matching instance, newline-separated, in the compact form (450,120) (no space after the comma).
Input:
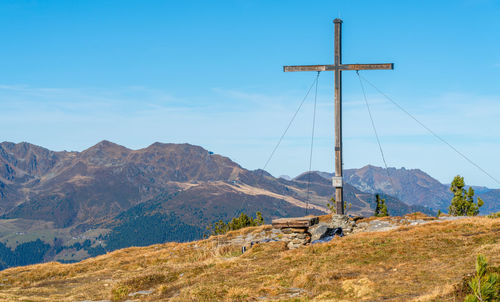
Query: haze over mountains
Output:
(108,197)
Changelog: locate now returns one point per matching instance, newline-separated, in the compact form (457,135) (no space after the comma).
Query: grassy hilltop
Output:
(423,263)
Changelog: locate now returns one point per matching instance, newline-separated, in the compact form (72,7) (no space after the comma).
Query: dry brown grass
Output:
(397,219)
(421,263)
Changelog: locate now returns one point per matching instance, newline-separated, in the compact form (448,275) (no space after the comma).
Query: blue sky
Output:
(209,73)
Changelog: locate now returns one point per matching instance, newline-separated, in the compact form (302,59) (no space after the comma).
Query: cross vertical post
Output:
(339,196)
(338,67)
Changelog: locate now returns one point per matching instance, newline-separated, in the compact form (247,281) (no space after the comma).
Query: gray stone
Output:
(362,225)
(418,221)
(318,230)
(380,226)
(452,217)
(141,292)
(301,236)
(344,222)
(292,245)
(249,237)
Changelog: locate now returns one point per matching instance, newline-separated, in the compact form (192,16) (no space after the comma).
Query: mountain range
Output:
(67,206)
(414,187)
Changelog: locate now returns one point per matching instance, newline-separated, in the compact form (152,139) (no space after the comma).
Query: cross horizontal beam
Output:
(341,67)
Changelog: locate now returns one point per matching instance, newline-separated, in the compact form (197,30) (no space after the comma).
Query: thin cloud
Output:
(22,98)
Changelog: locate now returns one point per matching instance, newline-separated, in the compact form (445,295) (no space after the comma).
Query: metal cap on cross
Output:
(338,67)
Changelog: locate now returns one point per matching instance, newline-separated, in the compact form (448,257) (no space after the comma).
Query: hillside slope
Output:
(421,263)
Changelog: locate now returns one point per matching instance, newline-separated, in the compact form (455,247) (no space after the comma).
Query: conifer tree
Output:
(380,208)
(259,220)
(462,203)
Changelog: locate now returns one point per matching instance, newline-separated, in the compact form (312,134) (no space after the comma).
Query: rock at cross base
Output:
(344,222)
(294,231)
(323,229)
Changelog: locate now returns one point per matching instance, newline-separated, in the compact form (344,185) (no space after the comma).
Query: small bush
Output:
(485,286)
(332,206)
(463,203)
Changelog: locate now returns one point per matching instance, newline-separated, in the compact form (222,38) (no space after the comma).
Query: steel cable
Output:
(375,130)
(291,121)
(311,150)
(431,132)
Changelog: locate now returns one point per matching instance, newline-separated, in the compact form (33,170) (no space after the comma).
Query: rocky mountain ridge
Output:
(413,186)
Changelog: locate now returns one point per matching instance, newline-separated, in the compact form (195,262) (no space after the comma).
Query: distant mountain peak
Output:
(156,145)
(370,167)
(105,144)
(172,147)
(310,176)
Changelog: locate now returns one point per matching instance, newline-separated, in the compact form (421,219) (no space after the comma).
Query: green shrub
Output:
(381,207)
(332,206)
(485,286)
(243,221)
(462,203)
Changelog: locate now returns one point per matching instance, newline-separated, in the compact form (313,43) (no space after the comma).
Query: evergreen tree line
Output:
(220,227)
(150,229)
(37,251)
(24,254)
(87,246)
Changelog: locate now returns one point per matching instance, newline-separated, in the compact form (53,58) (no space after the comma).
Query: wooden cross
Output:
(338,67)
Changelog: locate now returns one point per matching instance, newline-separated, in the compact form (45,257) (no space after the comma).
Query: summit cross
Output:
(338,67)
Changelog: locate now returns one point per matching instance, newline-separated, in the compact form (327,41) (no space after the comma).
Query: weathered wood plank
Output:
(287,230)
(295,222)
(308,68)
(381,66)
(339,191)
(384,66)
